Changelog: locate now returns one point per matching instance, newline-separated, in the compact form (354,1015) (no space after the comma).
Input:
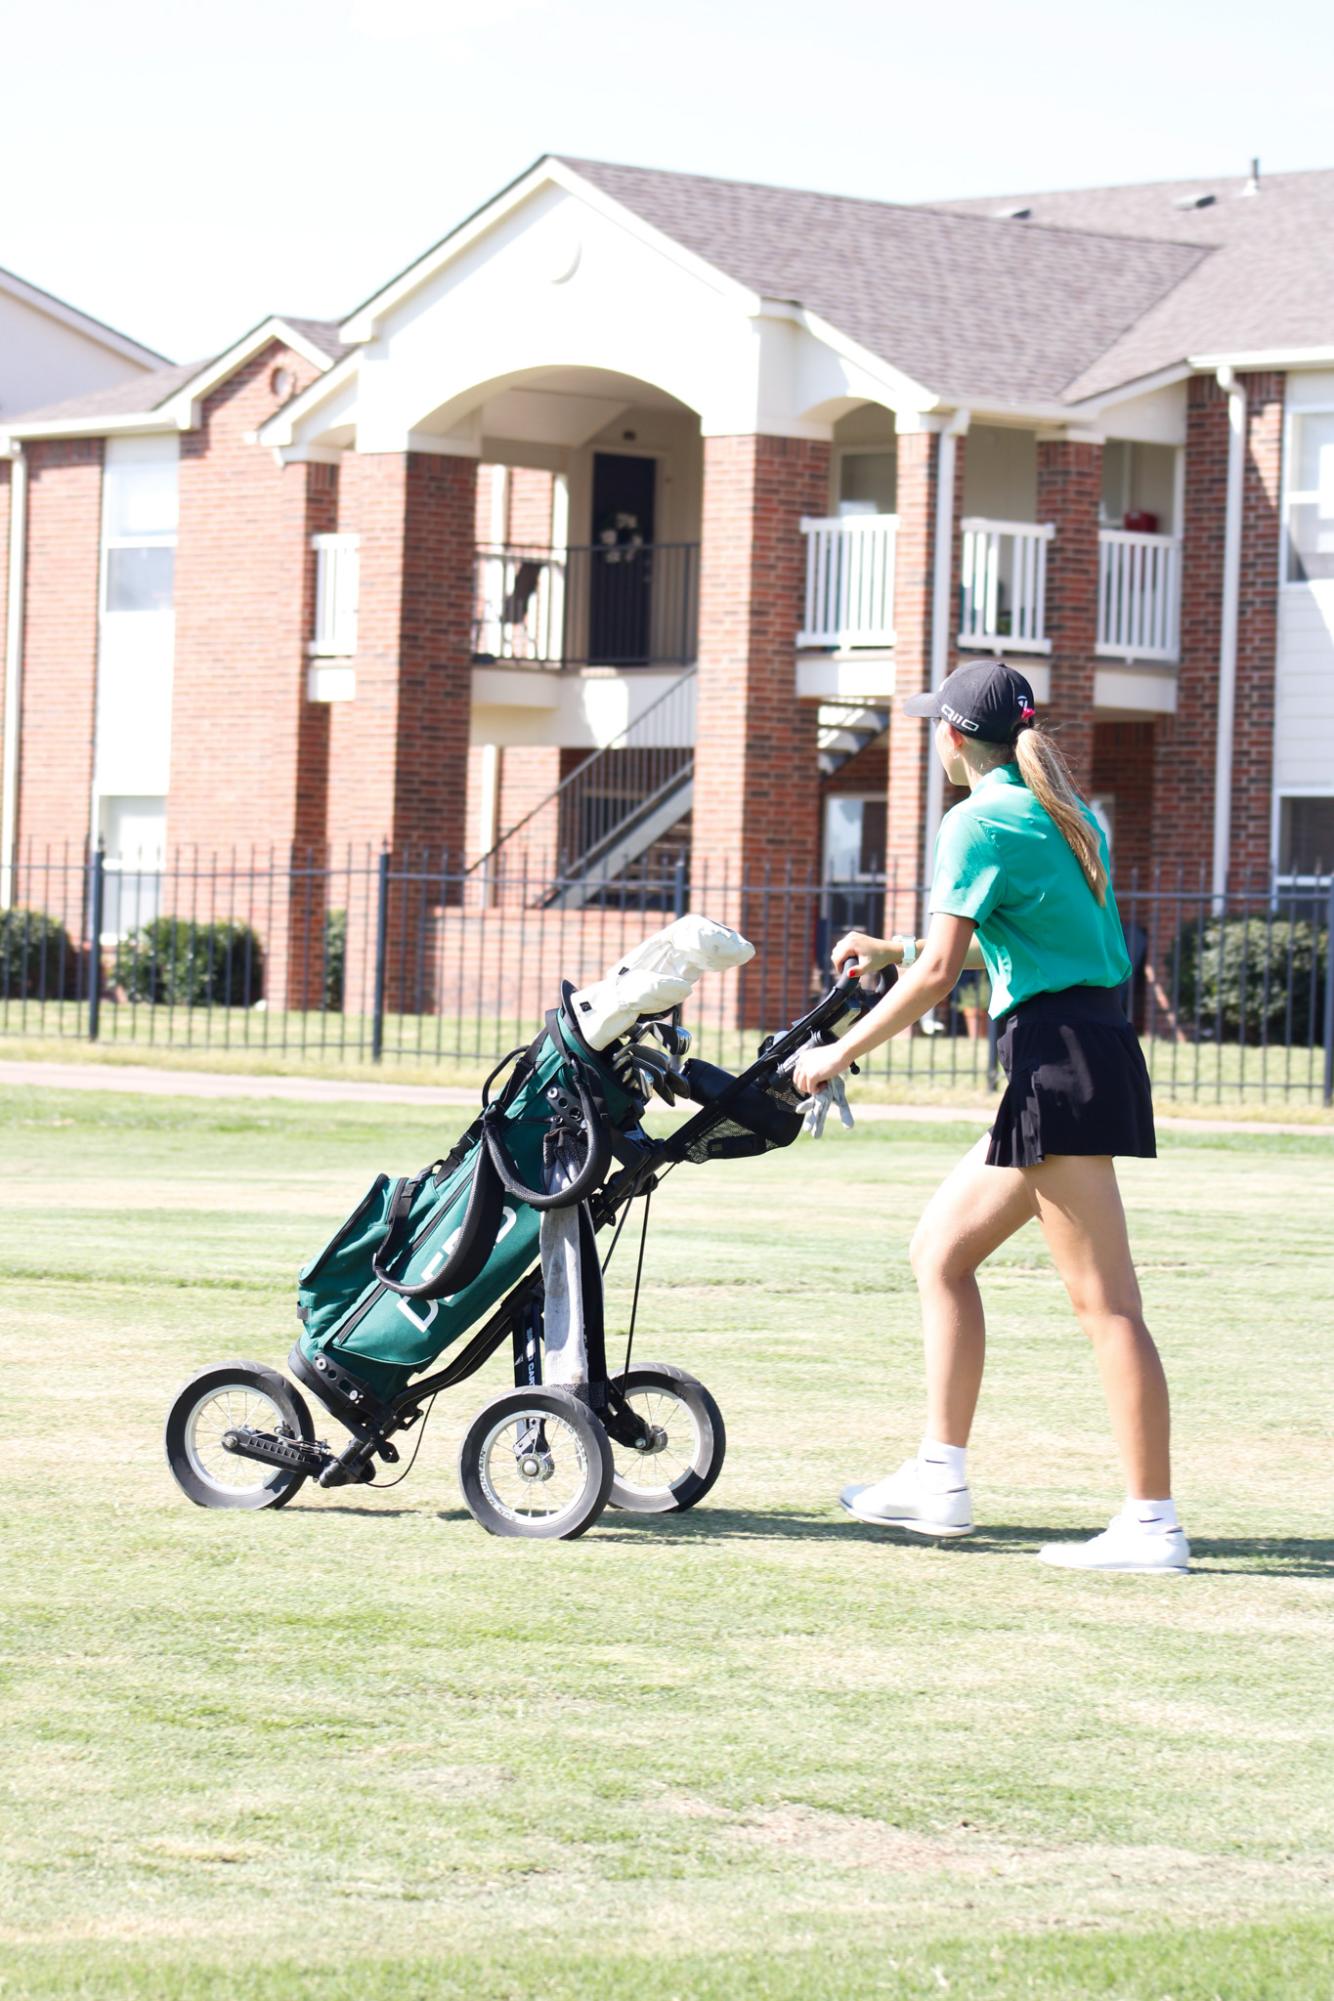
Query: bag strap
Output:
(476,1239)
(592,1110)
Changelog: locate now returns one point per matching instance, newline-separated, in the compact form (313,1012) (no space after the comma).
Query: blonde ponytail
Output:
(1047,776)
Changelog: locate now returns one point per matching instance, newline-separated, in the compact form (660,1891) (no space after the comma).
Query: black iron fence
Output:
(618,603)
(415,958)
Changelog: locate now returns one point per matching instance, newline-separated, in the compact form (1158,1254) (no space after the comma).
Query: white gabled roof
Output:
(83,323)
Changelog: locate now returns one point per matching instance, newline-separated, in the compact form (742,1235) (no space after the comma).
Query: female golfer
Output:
(1021,887)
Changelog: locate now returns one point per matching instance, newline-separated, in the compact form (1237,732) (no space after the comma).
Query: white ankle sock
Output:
(1154,1517)
(943,1466)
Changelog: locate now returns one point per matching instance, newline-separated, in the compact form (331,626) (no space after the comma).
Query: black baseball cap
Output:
(986,699)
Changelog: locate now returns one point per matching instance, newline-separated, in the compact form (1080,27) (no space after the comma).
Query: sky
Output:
(182,171)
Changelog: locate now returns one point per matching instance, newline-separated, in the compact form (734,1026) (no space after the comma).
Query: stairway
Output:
(844,729)
(620,803)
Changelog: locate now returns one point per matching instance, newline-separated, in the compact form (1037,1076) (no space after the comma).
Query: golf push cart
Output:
(502,1232)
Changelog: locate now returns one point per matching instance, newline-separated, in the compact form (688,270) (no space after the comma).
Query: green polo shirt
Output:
(1002,860)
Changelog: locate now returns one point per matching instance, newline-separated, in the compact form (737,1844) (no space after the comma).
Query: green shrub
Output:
(36,957)
(335,959)
(1219,975)
(176,961)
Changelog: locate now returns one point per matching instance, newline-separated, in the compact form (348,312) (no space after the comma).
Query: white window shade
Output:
(337,594)
(1310,498)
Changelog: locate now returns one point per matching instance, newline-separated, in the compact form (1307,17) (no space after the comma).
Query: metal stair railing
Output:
(615,785)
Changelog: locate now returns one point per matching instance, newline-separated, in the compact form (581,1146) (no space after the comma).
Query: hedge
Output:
(1219,978)
(37,959)
(178,962)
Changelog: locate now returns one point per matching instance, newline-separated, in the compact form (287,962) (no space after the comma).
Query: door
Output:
(621,584)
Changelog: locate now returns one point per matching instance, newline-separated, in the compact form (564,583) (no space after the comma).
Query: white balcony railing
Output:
(1139,595)
(849,580)
(1003,593)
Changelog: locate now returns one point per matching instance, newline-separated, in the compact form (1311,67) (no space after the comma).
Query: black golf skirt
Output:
(1077,1081)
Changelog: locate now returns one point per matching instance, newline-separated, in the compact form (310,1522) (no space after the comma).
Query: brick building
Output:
(677,484)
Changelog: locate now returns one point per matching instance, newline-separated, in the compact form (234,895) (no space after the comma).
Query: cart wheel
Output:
(535,1463)
(228,1394)
(686,1455)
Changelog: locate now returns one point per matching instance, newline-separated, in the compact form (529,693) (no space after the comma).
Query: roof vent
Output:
(1194,201)
(1252,186)
(1018,214)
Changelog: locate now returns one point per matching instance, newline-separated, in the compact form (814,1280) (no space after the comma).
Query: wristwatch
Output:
(907,948)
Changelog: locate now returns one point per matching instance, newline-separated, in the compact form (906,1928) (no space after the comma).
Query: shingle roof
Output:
(969,306)
(140,394)
(143,394)
(1269,282)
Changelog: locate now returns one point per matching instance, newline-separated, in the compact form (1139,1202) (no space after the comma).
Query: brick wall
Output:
(248,759)
(6,488)
(1122,769)
(756,775)
(60,649)
(1069,491)
(530,506)
(398,768)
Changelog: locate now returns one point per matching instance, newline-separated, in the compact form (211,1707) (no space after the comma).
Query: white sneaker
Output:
(904,1501)
(1125,1544)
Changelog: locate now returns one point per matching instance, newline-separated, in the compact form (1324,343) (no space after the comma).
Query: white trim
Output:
(548,171)
(181,410)
(70,316)
(1264,357)
(280,428)
(17,591)
(1227,637)
(1287,496)
(942,567)
(902,389)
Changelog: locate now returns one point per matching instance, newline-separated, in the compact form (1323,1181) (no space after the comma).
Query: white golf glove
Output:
(816,1108)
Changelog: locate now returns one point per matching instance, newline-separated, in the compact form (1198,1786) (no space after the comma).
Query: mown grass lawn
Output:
(357,1749)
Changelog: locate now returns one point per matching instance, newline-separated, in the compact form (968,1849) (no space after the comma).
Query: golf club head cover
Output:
(656,975)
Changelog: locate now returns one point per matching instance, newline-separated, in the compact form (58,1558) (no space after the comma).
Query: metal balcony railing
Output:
(614,604)
(849,580)
(1003,592)
(1139,595)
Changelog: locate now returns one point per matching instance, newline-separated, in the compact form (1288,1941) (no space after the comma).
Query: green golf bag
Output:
(423,1258)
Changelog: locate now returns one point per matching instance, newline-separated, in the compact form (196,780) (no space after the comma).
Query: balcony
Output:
(627,604)
(1139,595)
(1003,585)
(849,580)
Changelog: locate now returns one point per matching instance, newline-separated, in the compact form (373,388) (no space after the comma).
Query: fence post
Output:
(679,887)
(97,890)
(381,957)
(1329,995)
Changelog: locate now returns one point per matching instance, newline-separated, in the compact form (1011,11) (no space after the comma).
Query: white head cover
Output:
(656,975)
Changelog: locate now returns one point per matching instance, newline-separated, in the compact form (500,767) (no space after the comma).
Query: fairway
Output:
(357,1749)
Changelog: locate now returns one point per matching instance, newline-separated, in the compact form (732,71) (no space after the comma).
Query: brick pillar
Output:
(399,750)
(1069,494)
(1257,630)
(59,690)
(910,748)
(1185,743)
(756,800)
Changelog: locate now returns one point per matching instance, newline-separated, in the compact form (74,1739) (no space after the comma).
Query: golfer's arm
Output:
(892,955)
(922,986)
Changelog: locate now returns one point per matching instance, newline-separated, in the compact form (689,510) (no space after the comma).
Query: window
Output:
(337,590)
(134,835)
(1310,497)
(1306,837)
(139,510)
(854,838)
(868,482)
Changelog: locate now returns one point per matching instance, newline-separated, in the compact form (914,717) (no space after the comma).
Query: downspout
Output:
(1227,640)
(942,565)
(17,585)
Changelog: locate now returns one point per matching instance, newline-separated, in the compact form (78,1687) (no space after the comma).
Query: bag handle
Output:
(597,1161)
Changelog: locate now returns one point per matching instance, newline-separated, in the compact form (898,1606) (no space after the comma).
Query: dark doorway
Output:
(621,584)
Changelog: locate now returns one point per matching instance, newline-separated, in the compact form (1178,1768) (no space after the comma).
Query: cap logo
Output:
(960,722)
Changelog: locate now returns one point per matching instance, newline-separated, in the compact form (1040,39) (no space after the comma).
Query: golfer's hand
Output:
(859,952)
(817,1067)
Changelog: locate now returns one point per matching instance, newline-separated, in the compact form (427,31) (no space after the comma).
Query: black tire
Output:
(200,1466)
(567,1439)
(691,1465)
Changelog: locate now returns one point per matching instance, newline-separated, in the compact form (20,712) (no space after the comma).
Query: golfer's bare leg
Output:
(1079,1209)
(971,1214)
